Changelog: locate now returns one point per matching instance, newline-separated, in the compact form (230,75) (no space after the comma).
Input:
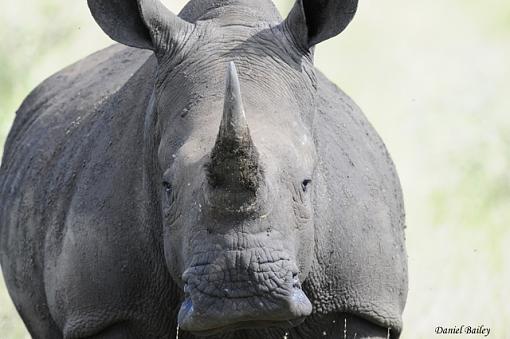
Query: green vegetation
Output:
(431,76)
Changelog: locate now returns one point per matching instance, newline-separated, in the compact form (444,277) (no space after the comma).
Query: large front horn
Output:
(234,162)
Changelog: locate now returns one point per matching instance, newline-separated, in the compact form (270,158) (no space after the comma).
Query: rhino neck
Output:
(243,10)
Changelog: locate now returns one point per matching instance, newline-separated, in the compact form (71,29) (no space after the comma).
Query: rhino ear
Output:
(146,24)
(313,21)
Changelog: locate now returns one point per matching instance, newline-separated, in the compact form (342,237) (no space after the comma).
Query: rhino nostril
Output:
(295,281)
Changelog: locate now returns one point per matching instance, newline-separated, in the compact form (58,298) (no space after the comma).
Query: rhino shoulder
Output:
(358,197)
(59,121)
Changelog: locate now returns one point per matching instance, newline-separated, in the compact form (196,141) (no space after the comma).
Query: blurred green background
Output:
(433,78)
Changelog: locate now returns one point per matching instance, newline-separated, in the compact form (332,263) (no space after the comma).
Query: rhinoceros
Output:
(202,178)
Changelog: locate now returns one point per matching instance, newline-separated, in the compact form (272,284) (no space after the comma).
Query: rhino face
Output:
(238,226)
(235,100)
(238,215)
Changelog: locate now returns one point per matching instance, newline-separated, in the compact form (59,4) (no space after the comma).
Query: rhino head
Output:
(234,106)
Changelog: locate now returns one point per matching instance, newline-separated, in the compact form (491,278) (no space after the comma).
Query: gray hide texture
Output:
(125,209)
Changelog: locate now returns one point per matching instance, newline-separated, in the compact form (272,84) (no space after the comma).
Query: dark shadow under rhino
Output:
(217,183)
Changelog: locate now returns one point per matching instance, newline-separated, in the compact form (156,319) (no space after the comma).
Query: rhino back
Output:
(361,262)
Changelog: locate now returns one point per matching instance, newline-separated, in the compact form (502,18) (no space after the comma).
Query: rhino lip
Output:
(284,313)
(249,325)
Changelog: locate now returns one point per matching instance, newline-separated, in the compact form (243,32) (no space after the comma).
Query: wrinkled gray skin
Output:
(142,189)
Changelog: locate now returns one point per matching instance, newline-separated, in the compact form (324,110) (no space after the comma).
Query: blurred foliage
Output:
(35,36)
(432,77)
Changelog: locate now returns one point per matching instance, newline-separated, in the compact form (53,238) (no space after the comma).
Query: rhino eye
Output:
(305,184)
(167,187)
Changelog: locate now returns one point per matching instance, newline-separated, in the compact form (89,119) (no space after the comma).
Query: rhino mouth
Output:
(208,323)
(242,290)
(244,324)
